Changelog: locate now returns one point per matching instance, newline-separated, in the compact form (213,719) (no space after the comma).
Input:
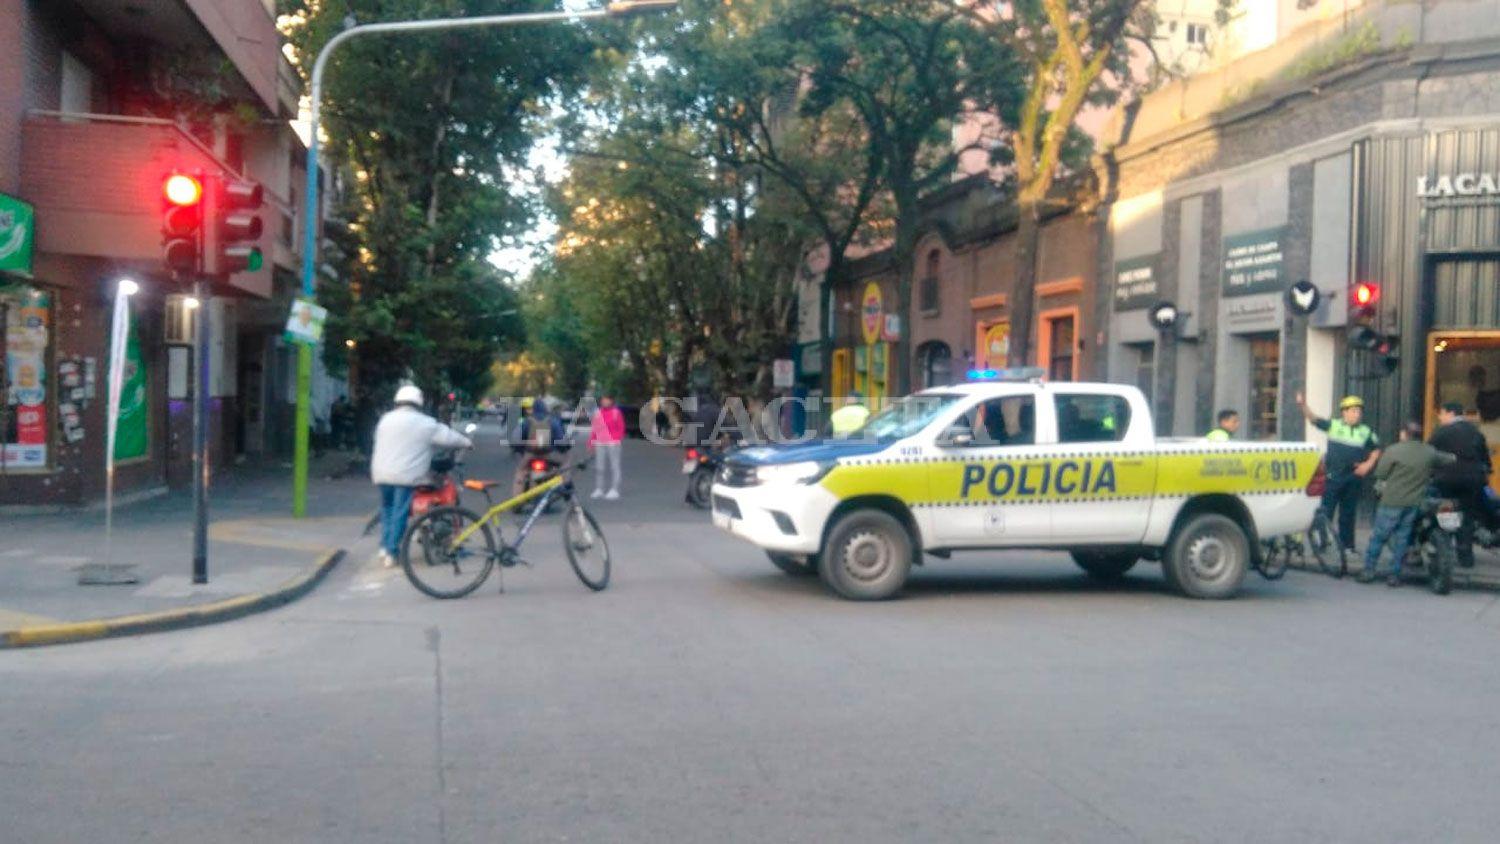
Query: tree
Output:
(907,69)
(425,201)
(1074,53)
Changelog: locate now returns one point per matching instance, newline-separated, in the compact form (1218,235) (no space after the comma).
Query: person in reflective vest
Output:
(1229,422)
(1353,451)
(851,417)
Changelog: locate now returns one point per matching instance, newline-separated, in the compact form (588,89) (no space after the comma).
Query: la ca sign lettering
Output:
(1463,184)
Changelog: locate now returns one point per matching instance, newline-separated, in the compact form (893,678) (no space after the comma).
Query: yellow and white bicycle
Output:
(449,551)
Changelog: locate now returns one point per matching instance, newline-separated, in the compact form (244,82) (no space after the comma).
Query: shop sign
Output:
(1255,262)
(891,331)
(1261,313)
(995,350)
(27,333)
(1135,283)
(1466,185)
(872,312)
(17,232)
(783,373)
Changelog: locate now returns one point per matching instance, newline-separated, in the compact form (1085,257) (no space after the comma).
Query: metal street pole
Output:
(200,432)
(618,9)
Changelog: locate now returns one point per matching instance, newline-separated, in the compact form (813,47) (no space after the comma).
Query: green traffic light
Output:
(253,261)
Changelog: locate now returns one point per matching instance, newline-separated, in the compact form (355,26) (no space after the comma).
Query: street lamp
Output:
(613,9)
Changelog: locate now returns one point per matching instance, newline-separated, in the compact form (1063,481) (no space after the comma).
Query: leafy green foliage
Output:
(426,130)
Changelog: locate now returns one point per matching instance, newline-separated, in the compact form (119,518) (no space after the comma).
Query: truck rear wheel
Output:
(1105,566)
(1208,557)
(794,565)
(867,556)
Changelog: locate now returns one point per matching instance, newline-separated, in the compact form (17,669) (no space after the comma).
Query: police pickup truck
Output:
(1017,463)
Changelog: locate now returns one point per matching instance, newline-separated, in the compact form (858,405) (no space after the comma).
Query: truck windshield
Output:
(905,416)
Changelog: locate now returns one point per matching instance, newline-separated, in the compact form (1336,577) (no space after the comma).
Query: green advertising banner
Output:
(131,434)
(17,230)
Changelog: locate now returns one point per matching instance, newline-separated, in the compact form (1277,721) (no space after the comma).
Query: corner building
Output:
(1359,149)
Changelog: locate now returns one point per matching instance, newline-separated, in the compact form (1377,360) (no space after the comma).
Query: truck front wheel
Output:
(1208,557)
(1105,566)
(867,556)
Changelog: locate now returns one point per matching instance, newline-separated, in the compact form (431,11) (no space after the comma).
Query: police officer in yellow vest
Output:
(1229,422)
(1353,450)
(851,417)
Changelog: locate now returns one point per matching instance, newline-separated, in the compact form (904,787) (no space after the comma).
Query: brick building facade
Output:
(85,146)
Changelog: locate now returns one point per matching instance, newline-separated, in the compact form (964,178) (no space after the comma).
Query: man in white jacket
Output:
(404,442)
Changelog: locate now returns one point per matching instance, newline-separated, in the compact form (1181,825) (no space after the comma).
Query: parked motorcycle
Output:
(1438,523)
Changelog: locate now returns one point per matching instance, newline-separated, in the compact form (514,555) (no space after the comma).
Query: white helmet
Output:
(409,394)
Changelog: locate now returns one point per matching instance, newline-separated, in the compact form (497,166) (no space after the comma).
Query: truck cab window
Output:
(1092,418)
(1009,421)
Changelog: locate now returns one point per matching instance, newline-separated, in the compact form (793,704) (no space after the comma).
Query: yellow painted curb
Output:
(173,619)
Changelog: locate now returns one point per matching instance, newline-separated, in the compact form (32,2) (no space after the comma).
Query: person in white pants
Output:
(605,437)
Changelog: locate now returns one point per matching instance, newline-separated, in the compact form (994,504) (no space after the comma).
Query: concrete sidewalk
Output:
(1485,575)
(258,555)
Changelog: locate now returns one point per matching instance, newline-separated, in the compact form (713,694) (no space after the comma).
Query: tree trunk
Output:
(905,255)
(1023,297)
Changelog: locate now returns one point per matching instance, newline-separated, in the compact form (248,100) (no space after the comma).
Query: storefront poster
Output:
(1135,283)
(27,334)
(1255,262)
(17,227)
(131,430)
(995,351)
(305,325)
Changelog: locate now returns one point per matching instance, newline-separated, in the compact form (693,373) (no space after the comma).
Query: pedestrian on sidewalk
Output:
(606,436)
(405,440)
(1401,480)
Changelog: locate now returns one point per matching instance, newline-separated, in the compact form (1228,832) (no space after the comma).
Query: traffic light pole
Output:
(615,9)
(200,435)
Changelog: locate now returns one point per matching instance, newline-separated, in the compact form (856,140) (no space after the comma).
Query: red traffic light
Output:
(1366,294)
(182,190)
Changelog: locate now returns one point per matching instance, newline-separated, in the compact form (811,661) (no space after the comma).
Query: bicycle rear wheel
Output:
(1275,554)
(438,566)
(1326,548)
(587,551)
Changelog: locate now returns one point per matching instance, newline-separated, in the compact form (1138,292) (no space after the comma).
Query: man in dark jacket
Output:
(1465,480)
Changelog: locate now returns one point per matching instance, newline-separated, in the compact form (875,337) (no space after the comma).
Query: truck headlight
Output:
(793,473)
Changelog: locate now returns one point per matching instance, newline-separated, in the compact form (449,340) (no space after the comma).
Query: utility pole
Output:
(614,9)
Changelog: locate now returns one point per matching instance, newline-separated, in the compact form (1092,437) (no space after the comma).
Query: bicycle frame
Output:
(545,489)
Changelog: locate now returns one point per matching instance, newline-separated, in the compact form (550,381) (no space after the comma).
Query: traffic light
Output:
(234,228)
(1364,298)
(1364,328)
(182,222)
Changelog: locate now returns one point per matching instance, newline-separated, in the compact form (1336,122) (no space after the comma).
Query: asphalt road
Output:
(707,697)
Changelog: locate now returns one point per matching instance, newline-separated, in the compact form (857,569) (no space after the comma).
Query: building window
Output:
(1145,368)
(1062,349)
(937,364)
(1092,419)
(1197,34)
(929,295)
(1265,385)
(25,412)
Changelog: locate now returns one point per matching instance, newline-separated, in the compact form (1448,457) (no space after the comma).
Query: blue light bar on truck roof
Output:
(1023,373)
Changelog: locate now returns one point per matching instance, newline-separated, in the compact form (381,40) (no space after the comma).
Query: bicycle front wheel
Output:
(587,551)
(440,566)
(1325,546)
